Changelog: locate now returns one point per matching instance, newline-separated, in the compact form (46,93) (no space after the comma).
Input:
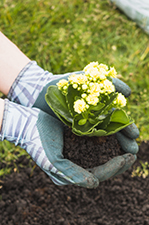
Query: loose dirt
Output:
(30,197)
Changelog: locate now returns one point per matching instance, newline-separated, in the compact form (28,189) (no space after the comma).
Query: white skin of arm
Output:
(12,61)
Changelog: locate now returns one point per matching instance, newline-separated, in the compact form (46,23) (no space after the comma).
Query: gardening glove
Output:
(34,130)
(30,87)
(41,136)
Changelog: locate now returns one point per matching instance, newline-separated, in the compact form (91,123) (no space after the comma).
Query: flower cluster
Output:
(88,102)
(93,84)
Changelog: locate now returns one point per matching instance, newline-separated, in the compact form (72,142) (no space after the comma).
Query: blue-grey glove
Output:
(29,89)
(34,130)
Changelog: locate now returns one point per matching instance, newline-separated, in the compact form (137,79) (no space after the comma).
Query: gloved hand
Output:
(35,131)
(29,89)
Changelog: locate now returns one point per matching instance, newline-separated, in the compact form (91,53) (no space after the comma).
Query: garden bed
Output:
(30,197)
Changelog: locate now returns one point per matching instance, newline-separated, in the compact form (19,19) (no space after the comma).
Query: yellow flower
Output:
(79,106)
(102,73)
(84,86)
(94,89)
(92,99)
(75,86)
(103,66)
(96,71)
(108,86)
(72,78)
(78,78)
(62,83)
(121,100)
(83,95)
(95,74)
(112,72)
(81,79)
(90,66)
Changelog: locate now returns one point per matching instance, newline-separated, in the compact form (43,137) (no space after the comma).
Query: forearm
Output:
(12,61)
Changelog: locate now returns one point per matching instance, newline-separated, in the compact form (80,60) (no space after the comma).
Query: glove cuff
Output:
(16,118)
(28,84)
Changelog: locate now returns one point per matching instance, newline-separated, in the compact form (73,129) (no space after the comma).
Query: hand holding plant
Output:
(88,102)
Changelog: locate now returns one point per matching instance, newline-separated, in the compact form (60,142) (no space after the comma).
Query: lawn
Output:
(64,36)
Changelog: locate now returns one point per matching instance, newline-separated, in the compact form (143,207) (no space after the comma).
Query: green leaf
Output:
(78,117)
(107,101)
(119,116)
(71,97)
(105,122)
(97,107)
(69,124)
(91,114)
(97,133)
(85,129)
(77,132)
(92,120)
(57,102)
(82,122)
(115,127)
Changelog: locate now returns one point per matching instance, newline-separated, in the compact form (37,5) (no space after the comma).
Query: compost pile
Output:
(30,197)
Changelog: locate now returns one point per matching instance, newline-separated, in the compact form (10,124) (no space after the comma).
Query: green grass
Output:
(8,155)
(64,36)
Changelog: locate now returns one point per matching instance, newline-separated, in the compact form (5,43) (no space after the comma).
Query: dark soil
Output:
(30,197)
(89,152)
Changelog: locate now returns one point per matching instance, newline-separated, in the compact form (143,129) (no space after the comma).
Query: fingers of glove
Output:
(109,169)
(127,144)
(121,87)
(59,179)
(77,174)
(131,131)
(51,135)
(129,161)
(56,178)
(41,102)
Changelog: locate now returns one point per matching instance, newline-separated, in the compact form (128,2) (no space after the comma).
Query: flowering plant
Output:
(88,102)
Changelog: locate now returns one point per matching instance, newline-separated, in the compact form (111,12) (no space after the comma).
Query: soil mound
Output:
(30,197)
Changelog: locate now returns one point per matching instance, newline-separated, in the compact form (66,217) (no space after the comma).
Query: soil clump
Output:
(89,152)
